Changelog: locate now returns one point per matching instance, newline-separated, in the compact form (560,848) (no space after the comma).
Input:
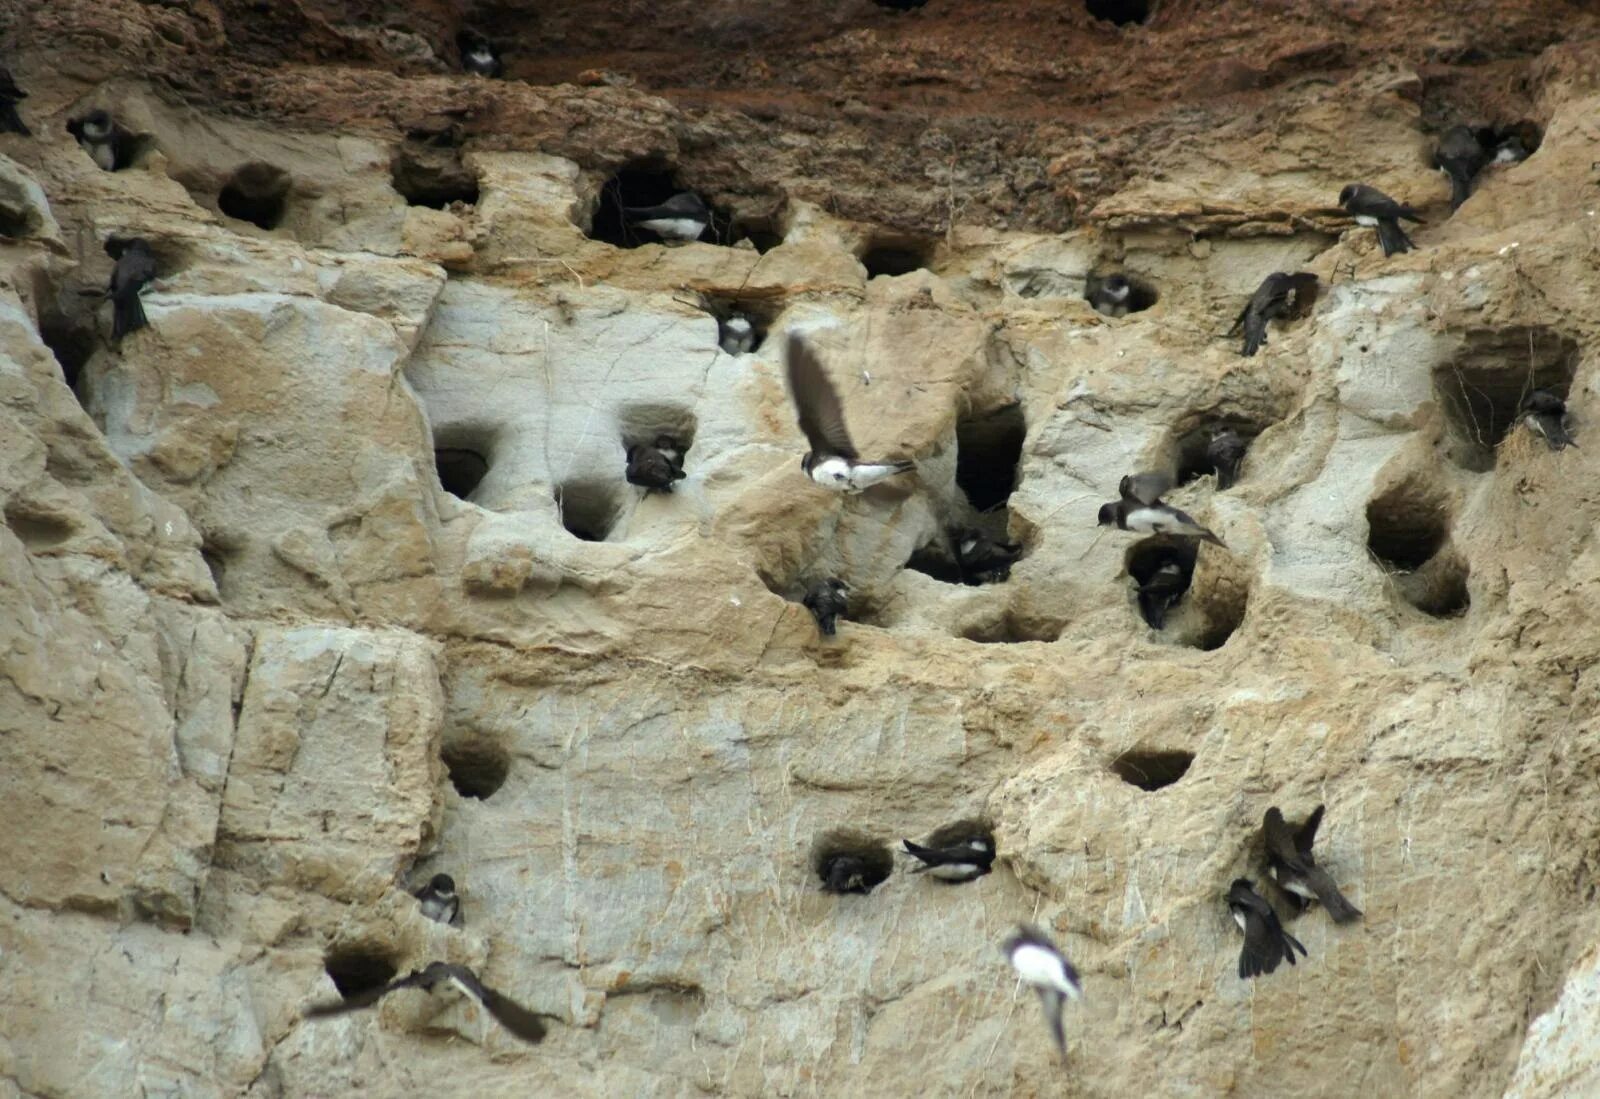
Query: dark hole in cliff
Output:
(1481,390)
(216,564)
(848,861)
(647,421)
(432,177)
(1406,525)
(359,968)
(1150,769)
(1222,609)
(589,509)
(1141,295)
(460,470)
(36,530)
(256,192)
(17,220)
(764,236)
(743,320)
(935,559)
(1013,627)
(900,5)
(478,767)
(1439,588)
(1162,570)
(1191,450)
(1120,12)
(989,455)
(66,327)
(643,185)
(889,255)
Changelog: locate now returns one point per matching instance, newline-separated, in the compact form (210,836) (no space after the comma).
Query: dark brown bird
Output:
(832,461)
(508,1013)
(1279,295)
(1461,157)
(1372,208)
(1225,451)
(828,601)
(1291,865)
(1546,415)
(1266,943)
(655,465)
(136,266)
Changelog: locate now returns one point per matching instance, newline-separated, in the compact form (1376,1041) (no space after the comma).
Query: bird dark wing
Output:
(1280,840)
(816,402)
(1374,203)
(367,997)
(506,1011)
(1306,835)
(135,268)
(1239,321)
(1262,949)
(1144,488)
(1544,402)
(1322,884)
(1052,1001)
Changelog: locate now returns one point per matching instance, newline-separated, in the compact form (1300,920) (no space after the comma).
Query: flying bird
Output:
(1112,296)
(135,266)
(1140,509)
(847,873)
(1460,156)
(827,600)
(108,144)
(438,900)
(1266,943)
(683,217)
(1225,451)
(1546,415)
(832,461)
(1041,965)
(736,335)
(1279,295)
(982,559)
(1291,865)
(655,466)
(478,55)
(508,1013)
(962,860)
(1371,207)
(10,121)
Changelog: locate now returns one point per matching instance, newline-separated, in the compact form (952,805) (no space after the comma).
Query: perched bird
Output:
(1161,588)
(1546,415)
(10,121)
(827,600)
(847,873)
(961,861)
(1140,509)
(1371,207)
(438,900)
(1112,296)
(736,335)
(135,266)
(508,1013)
(478,55)
(1225,451)
(1279,295)
(832,461)
(1461,157)
(108,144)
(982,559)
(1040,964)
(1290,863)
(1515,143)
(655,466)
(682,217)
(1266,943)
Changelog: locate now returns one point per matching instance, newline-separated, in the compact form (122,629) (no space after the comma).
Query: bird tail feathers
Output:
(1393,238)
(127,316)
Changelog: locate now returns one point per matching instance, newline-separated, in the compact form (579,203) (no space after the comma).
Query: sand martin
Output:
(108,144)
(655,466)
(1140,509)
(1112,296)
(1546,415)
(508,1013)
(1371,207)
(954,861)
(438,900)
(135,266)
(827,600)
(832,461)
(1163,578)
(1291,866)
(683,217)
(1461,157)
(983,560)
(1279,295)
(1225,451)
(1041,965)
(1266,943)
(736,335)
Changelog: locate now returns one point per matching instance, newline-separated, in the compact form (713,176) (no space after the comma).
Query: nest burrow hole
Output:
(1481,390)
(648,421)
(1408,531)
(1142,293)
(847,861)
(887,255)
(935,558)
(989,455)
(66,327)
(359,968)
(650,183)
(1121,12)
(743,321)
(432,176)
(462,456)
(1150,563)
(256,192)
(477,766)
(900,5)
(589,509)
(1151,769)
(1190,449)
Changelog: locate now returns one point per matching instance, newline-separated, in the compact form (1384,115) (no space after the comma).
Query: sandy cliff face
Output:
(330,580)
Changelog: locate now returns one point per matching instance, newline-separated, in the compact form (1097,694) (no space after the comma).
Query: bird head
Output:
(1348,193)
(96,124)
(1117,286)
(1108,515)
(738,324)
(442,883)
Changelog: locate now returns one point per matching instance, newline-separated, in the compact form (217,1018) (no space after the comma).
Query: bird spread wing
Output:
(367,997)
(1303,287)
(1281,843)
(1145,488)
(1307,834)
(816,402)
